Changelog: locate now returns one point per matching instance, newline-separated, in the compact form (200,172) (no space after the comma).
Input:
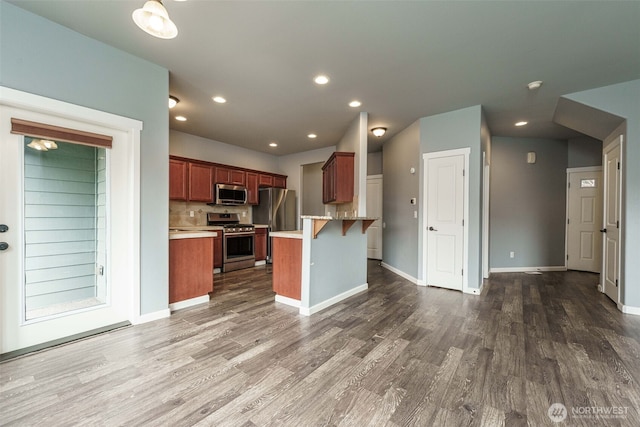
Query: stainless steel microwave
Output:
(230,195)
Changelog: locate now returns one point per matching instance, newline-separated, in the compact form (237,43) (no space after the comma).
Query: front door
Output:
(584,219)
(374,210)
(611,221)
(444,221)
(55,266)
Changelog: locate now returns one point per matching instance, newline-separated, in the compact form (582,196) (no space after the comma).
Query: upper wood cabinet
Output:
(200,183)
(178,179)
(230,176)
(337,178)
(252,188)
(280,181)
(265,180)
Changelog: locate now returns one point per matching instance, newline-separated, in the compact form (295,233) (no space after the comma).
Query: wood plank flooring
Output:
(396,355)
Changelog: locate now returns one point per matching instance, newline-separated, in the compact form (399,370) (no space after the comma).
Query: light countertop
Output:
(182,234)
(196,228)
(334,218)
(296,234)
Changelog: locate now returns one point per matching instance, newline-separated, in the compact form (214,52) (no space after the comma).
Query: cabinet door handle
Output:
(4,246)
(604,230)
(3,228)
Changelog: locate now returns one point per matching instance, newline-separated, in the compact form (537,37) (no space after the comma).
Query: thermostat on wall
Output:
(531,157)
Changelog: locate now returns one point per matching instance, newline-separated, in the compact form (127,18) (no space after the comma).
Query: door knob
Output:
(3,228)
(604,230)
(4,246)
(432,229)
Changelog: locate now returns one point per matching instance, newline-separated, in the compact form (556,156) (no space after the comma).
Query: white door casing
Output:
(610,276)
(584,219)
(486,192)
(123,268)
(445,215)
(374,210)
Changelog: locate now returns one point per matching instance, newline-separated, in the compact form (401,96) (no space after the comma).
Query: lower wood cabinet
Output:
(190,268)
(261,244)
(287,267)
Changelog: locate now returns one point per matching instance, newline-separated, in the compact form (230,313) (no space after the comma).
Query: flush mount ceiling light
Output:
(42,145)
(312,135)
(153,19)
(355,104)
(379,131)
(534,85)
(181,118)
(273,144)
(219,99)
(521,123)
(321,79)
(173,101)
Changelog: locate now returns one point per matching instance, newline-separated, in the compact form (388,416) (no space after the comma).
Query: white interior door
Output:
(445,215)
(374,210)
(61,273)
(611,223)
(584,219)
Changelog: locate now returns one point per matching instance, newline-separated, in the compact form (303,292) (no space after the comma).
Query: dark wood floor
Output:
(397,355)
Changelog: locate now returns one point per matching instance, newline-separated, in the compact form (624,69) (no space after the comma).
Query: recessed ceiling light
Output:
(321,79)
(521,123)
(181,118)
(173,101)
(219,99)
(273,144)
(534,85)
(355,104)
(312,135)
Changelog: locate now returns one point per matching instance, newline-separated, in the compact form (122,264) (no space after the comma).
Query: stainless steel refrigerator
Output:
(276,209)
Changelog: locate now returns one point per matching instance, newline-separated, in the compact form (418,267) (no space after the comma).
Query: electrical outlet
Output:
(415,214)
(244,214)
(384,225)
(512,254)
(192,214)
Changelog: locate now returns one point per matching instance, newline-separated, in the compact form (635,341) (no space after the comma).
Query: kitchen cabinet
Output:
(287,267)
(261,244)
(230,176)
(280,181)
(178,179)
(217,251)
(252,188)
(265,180)
(200,183)
(337,178)
(190,268)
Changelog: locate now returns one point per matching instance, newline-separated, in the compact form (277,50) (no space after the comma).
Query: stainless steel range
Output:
(238,241)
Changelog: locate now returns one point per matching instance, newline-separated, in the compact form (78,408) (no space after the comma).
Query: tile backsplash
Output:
(180,213)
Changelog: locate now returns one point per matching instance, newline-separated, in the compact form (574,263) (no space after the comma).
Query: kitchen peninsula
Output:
(322,264)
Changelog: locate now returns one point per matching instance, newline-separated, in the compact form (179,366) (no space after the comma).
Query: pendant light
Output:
(154,19)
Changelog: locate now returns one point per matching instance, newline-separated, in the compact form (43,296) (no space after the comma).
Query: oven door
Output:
(239,247)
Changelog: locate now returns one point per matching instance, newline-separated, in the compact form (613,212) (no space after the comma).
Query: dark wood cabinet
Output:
(252,188)
(261,244)
(217,251)
(287,267)
(280,181)
(265,180)
(200,183)
(190,268)
(337,178)
(178,179)
(230,176)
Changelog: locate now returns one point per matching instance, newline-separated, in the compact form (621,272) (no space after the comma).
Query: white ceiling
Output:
(402,60)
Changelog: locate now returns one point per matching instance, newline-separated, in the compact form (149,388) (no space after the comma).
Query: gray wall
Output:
(374,163)
(400,236)
(44,58)
(622,100)
(528,203)
(311,193)
(447,131)
(585,151)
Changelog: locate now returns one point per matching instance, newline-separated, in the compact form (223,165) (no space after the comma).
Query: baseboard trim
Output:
(150,317)
(188,303)
(473,291)
(400,273)
(627,309)
(525,269)
(288,301)
(308,311)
